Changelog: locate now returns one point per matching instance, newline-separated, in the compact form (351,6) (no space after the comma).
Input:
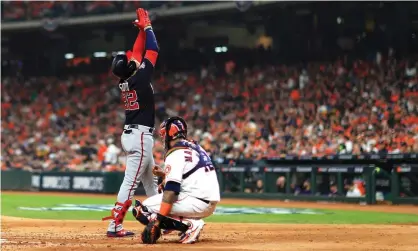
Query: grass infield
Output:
(11,202)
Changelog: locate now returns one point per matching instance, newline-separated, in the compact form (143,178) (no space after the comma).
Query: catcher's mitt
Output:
(151,233)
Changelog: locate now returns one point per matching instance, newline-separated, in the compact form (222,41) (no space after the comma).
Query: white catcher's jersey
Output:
(188,164)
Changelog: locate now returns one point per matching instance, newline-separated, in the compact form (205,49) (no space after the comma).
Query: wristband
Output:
(165,208)
(151,56)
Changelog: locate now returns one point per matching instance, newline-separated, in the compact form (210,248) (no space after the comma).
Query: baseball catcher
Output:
(190,188)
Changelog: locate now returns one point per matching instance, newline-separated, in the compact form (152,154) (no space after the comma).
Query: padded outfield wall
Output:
(392,178)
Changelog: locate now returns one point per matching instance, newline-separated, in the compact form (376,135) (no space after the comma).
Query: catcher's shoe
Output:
(192,235)
(118,234)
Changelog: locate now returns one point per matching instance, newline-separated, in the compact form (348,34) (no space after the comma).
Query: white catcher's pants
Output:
(186,206)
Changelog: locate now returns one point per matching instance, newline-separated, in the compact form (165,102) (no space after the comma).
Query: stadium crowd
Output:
(33,10)
(320,109)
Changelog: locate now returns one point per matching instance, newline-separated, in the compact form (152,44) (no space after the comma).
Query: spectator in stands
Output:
(305,189)
(281,184)
(356,188)
(87,150)
(111,153)
(259,186)
(101,7)
(13,10)
(333,190)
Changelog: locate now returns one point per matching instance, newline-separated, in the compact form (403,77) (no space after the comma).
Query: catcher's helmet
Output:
(121,68)
(173,128)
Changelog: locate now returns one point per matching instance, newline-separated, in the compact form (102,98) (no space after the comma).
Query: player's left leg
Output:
(138,144)
(149,181)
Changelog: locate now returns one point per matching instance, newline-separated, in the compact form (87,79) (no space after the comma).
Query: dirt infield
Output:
(26,234)
(30,234)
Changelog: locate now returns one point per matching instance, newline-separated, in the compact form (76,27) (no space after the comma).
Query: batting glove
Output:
(143,22)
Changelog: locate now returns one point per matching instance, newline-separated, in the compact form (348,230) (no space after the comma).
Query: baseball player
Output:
(191,189)
(134,71)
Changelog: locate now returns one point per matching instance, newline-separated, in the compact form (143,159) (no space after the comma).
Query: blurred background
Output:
(253,79)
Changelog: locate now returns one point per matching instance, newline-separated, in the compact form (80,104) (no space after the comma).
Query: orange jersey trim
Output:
(151,56)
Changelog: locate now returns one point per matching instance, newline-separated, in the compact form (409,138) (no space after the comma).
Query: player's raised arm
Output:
(139,46)
(141,60)
(145,41)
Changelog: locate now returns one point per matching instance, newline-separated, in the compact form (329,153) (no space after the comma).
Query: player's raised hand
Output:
(142,19)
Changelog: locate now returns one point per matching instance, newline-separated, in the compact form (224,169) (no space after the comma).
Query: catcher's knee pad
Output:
(141,214)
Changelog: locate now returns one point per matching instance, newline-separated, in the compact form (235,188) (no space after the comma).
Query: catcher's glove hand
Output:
(161,187)
(158,171)
(151,233)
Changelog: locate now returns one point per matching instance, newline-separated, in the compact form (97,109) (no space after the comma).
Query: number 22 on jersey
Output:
(130,100)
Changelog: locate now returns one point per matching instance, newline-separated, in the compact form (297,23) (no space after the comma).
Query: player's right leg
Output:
(124,197)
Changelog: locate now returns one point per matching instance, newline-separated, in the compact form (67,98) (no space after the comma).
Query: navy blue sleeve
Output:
(172,186)
(151,41)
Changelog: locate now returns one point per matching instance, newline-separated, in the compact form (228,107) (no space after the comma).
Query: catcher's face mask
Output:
(172,128)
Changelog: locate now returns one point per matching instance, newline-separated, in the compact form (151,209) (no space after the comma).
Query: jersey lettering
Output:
(204,161)
(188,156)
(130,99)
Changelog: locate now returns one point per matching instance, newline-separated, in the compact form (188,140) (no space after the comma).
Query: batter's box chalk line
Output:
(6,241)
